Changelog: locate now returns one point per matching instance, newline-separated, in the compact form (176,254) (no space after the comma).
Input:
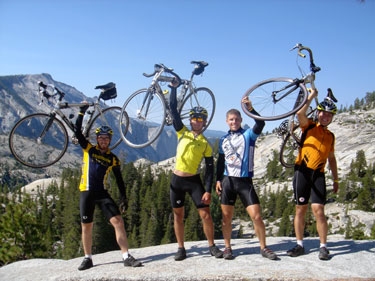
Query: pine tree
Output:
(69,212)
(274,168)
(20,232)
(366,200)
(193,224)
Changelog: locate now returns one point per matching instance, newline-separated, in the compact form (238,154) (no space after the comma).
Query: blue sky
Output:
(85,43)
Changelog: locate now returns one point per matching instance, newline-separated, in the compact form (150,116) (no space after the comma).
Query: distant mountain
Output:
(19,97)
(354,131)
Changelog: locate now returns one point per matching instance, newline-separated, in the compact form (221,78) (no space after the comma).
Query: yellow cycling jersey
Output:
(191,150)
(318,144)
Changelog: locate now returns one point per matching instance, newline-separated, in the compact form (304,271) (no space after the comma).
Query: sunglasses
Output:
(197,119)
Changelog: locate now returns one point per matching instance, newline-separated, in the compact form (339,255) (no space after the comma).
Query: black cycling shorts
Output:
(88,200)
(309,185)
(231,186)
(182,185)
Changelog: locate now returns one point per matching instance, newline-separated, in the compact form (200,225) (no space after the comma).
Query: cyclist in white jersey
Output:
(235,169)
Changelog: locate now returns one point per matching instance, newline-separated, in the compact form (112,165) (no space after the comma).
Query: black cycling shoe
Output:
(268,253)
(131,261)
(86,264)
(296,251)
(324,254)
(216,252)
(180,255)
(228,255)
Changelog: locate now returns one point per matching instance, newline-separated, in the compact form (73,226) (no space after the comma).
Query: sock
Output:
(88,256)
(300,242)
(323,245)
(125,255)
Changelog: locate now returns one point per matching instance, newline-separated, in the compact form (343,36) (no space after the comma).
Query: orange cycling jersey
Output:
(318,144)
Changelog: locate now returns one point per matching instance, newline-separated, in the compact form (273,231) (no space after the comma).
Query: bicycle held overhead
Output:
(41,139)
(278,98)
(148,108)
(282,97)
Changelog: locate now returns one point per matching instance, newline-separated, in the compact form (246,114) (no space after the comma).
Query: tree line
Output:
(48,225)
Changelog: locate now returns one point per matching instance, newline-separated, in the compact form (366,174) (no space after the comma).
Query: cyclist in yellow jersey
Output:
(309,179)
(98,162)
(192,148)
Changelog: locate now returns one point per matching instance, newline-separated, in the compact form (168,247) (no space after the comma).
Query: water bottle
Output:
(86,118)
(166,94)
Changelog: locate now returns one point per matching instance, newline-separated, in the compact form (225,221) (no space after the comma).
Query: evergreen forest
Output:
(48,225)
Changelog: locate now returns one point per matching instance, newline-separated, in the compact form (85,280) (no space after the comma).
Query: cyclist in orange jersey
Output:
(309,181)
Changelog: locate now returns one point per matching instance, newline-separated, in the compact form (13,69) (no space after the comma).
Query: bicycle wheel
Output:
(289,148)
(38,140)
(202,97)
(146,110)
(275,98)
(110,116)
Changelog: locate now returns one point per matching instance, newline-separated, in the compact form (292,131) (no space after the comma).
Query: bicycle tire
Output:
(26,145)
(109,116)
(262,99)
(289,148)
(203,97)
(146,110)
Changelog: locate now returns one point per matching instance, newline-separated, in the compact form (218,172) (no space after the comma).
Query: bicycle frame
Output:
(58,104)
(149,111)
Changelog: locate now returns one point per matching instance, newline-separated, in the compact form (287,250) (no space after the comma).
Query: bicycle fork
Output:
(46,128)
(145,105)
(294,86)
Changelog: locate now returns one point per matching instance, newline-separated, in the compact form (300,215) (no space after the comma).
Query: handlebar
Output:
(43,91)
(160,68)
(158,71)
(301,48)
(60,94)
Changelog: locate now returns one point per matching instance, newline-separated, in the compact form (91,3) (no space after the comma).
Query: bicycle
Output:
(148,109)
(40,139)
(278,98)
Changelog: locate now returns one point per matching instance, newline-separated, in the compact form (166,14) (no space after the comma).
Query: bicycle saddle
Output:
(199,66)
(330,95)
(107,86)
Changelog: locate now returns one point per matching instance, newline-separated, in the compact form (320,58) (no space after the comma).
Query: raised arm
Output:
(177,123)
(78,127)
(301,114)
(259,124)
